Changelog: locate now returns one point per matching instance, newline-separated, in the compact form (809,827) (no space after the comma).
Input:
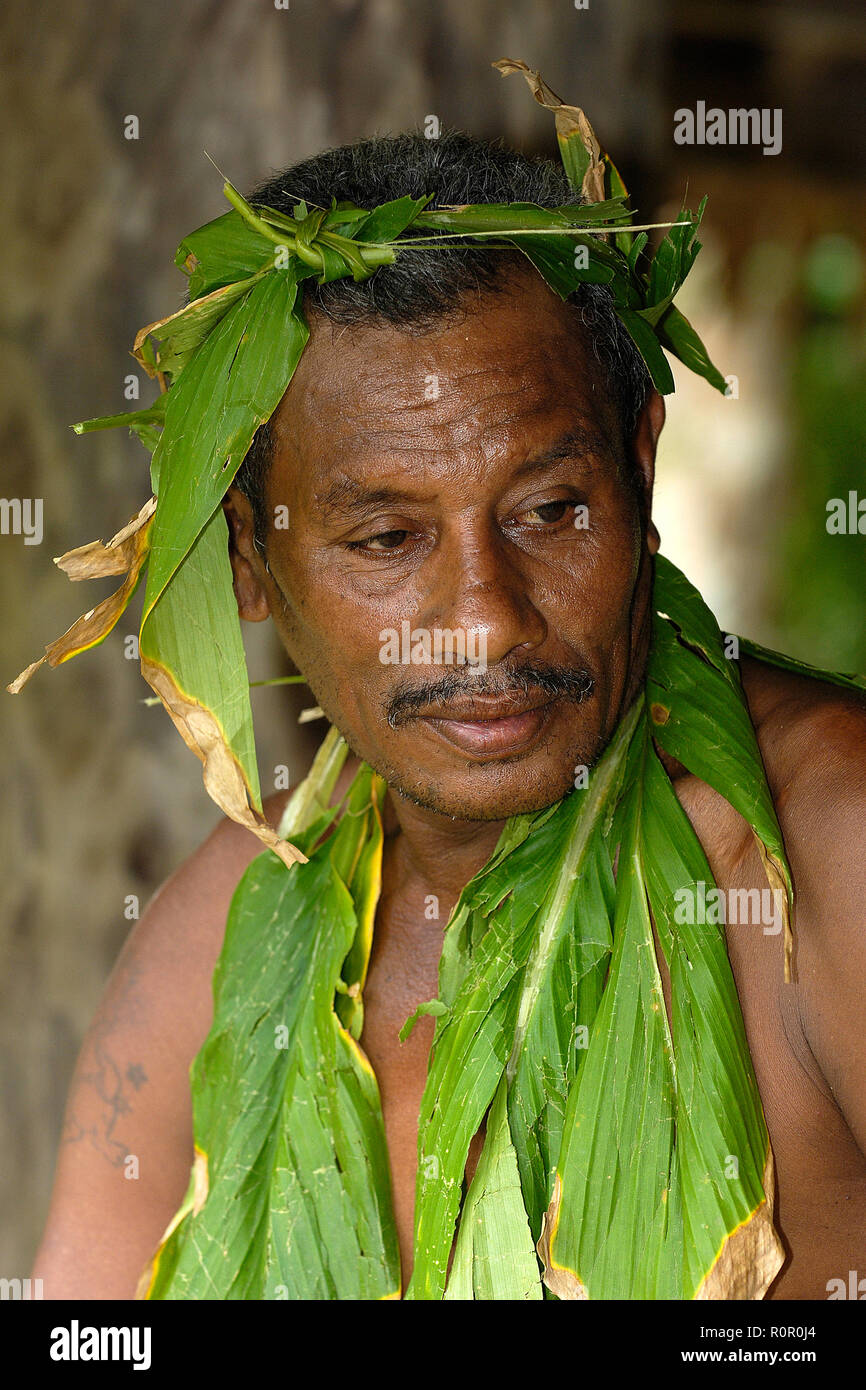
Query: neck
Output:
(433,851)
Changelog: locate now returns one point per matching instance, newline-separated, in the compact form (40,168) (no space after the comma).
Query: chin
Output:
(429,772)
(488,792)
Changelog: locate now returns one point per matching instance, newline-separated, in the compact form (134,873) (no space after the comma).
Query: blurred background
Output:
(101,799)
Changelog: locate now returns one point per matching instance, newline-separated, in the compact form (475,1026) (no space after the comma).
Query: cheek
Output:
(593,593)
(332,636)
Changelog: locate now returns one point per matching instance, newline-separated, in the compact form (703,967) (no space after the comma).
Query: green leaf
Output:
(678,336)
(646,1200)
(433,1008)
(287,1113)
(800,668)
(700,717)
(181,334)
(505,217)
(554,258)
(650,350)
(498,964)
(191,645)
(146,423)
(222,252)
(674,258)
(386,222)
(495,1256)
(214,410)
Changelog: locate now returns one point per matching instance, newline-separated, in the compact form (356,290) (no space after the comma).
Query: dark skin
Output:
(458,513)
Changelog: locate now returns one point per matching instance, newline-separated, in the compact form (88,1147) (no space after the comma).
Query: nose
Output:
(480,587)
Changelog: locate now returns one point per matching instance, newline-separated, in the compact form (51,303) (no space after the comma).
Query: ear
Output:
(643,457)
(246,562)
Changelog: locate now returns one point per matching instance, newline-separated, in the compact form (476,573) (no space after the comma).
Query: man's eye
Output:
(384,540)
(548,512)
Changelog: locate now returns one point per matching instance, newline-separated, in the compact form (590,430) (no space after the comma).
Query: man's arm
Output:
(826,821)
(126,1149)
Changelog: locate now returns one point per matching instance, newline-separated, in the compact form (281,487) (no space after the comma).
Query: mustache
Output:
(507,682)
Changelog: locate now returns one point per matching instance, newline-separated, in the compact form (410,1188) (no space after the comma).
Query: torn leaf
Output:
(95,560)
(223,778)
(129,548)
(578,143)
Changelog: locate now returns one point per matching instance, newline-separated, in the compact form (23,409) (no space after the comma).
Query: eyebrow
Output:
(346,495)
(579,443)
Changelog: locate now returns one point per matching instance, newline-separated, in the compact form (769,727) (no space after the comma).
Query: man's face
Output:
(473,481)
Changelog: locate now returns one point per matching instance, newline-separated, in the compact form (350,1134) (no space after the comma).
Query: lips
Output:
(491,728)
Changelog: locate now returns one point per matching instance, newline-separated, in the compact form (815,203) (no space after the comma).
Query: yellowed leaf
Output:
(751,1256)
(745,1267)
(194,1200)
(200,1180)
(776,880)
(95,560)
(132,544)
(570,121)
(563,1282)
(222,773)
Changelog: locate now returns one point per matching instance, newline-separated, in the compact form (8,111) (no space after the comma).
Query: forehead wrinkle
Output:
(581,442)
(450,413)
(345,493)
(488,438)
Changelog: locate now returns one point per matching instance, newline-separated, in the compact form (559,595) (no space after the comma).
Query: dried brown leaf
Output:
(570,121)
(132,543)
(752,1255)
(563,1282)
(95,560)
(222,773)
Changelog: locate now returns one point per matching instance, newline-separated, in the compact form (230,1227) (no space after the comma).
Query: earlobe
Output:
(247,577)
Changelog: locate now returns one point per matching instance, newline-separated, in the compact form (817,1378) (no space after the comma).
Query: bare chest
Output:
(403,973)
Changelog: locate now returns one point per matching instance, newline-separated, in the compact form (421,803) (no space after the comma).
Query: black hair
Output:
(422,288)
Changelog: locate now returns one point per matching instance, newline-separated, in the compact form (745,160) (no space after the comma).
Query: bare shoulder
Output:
(812,737)
(174,947)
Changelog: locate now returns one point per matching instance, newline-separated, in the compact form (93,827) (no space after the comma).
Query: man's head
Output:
(458,453)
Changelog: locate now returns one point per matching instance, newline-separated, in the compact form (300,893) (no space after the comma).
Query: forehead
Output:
(507,371)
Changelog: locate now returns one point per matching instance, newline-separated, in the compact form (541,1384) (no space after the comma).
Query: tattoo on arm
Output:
(103,1076)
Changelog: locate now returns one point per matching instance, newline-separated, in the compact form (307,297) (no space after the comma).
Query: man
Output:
(448,426)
